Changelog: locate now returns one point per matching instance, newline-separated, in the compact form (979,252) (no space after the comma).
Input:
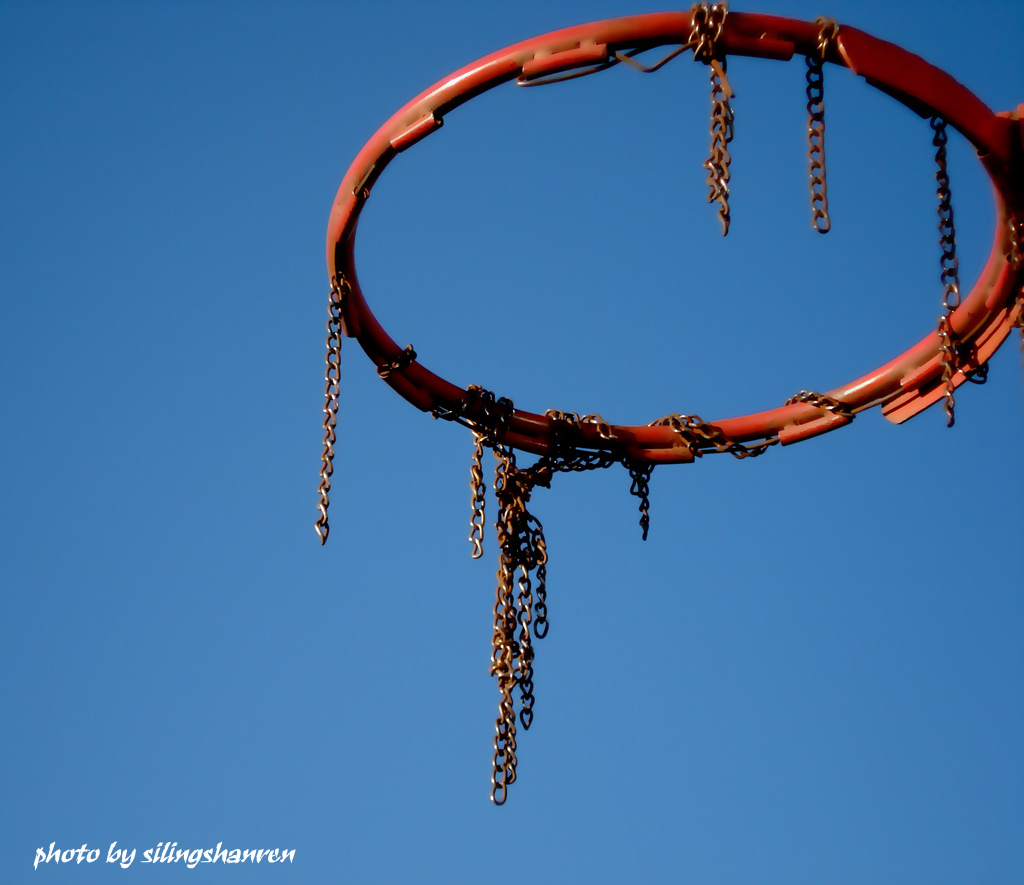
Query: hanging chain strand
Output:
(524,661)
(641,476)
(1020,317)
(708,21)
(478,490)
(493,418)
(332,379)
(721,134)
(520,601)
(1015,255)
(950,275)
(820,219)
(521,594)
(504,647)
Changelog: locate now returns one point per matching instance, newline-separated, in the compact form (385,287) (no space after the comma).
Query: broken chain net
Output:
(520,607)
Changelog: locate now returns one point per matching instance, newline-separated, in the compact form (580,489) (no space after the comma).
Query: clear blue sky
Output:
(813,670)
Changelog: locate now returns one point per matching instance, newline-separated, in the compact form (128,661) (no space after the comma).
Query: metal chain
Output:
(718,162)
(1020,316)
(493,417)
(540,607)
(565,428)
(641,476)
(478,490)
(827,30)
(604,429)
(404,358)
(332,379)
(524,663)
(522,550)
(696,433)
(967,353)
(520,604)
(1014,256)
(950,268)
(828,403)
(503,642)
(521,593)
(1015,249)
(708,21)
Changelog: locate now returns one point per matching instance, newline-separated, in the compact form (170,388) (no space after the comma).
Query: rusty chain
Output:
(522,550)
(950,268)
(520,614)
(404,358)
(1014,256)
(332,380)
(1020,316)
(494,415)
(521,593)
(697,435)
(502,650)
(1015,248)
(820,219)
(478,490)
(641,476)
(707,23)
(828,403)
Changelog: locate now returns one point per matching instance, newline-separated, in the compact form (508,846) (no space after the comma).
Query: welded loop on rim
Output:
(910,382)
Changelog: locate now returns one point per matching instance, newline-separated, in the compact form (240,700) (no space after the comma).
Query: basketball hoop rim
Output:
(902,387)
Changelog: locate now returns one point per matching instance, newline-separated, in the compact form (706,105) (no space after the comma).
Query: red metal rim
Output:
(902,387)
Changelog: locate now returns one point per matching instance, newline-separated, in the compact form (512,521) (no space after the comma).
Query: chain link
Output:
(404,358)
(509,663)
(828,403)
(494,416)
(521,593)
(1014,256)
(604,429)
(1015,249)
(697,435)
(565,427)
(478,490)
(524,663)
(520,604)
(707,23)
(332,380)
(641,476)
(950,267)
(948,351)
(1020,316)
(820,219)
